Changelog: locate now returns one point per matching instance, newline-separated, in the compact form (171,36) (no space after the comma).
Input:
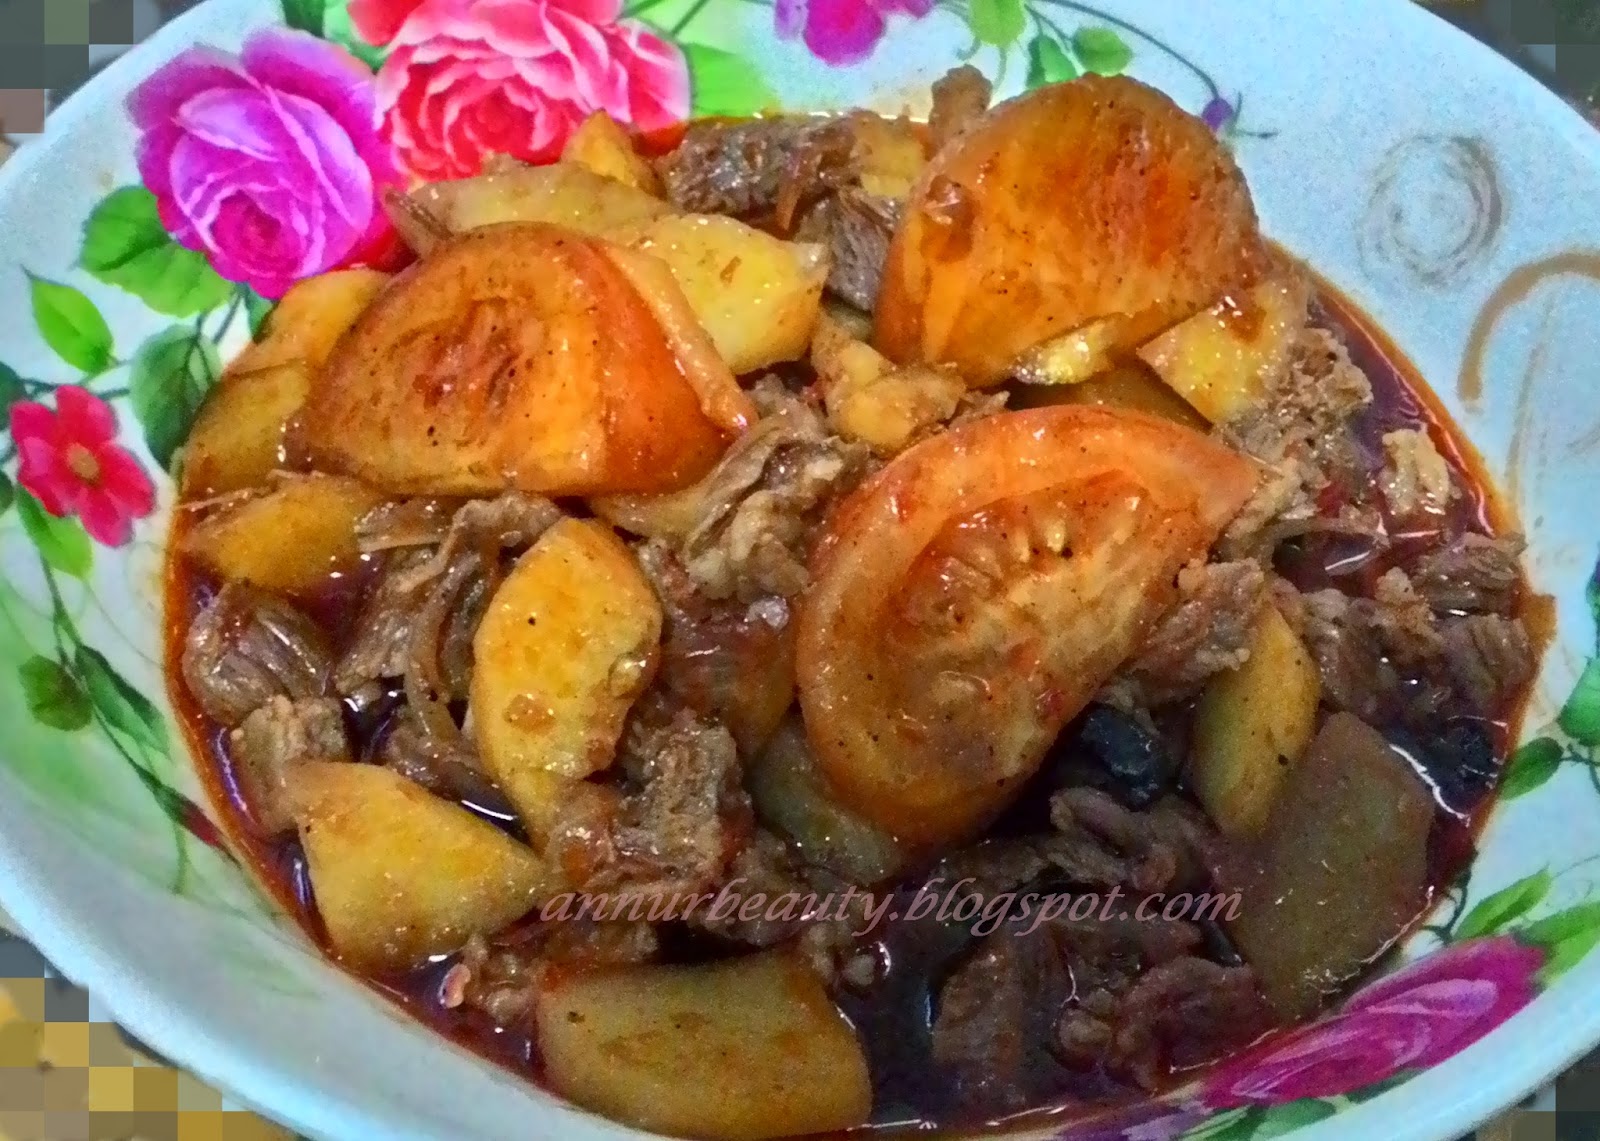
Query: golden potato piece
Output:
(740,1049)
(290,540)
(400,875)
(870,399)
(514,357)
(756,296)
(1221,360)
(1252,726)
(602,145)
(1131,386)
(1074,357)
(570,639)
(890,154)
(1071,203)
(562,194)
(238,438)
(310,319)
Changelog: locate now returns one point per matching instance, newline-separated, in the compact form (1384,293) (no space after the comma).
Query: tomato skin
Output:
(971,598)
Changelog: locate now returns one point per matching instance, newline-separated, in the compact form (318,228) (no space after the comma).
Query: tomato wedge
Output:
(971,598)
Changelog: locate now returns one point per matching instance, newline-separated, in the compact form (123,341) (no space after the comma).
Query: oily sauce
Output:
(893,1018)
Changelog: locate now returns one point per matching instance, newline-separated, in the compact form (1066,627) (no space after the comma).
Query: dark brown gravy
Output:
(910,1093)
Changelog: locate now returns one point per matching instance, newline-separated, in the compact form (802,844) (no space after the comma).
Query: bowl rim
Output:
(252,1077)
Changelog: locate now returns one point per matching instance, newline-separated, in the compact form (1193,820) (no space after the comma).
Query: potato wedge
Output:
(400,875)
(310,319)
(1125,386)
(238,438)
(292,539)
(562,194)
(1073,357)
(740,1049)
(517,356)
(1074,202)
(889,153)
(602,145)
(1252,726)
(1221,360)
(1341,870)
(757,297)
(873,400)
(570,639)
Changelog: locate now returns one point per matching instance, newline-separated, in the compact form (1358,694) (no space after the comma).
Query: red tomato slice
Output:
(972,597)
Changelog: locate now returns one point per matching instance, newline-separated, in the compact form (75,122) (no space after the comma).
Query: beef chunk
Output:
(272,741)
(247,647)
(381,646)
(762,504)
(766,869)
(996,1021)
(755,168)
(1473,574)
(447,768)
(501,978)
(856,227)
(1488,658)
(1415,477)
(1207,632)
(1184,1013)
(960,98)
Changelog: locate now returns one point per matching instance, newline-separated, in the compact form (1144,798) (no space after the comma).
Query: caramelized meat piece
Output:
(1208,631)
(996,1021)
(857,228)
(1487,658)
(272,741)
(727,660)
(764,501)
(1184,1013)
(960,98)
(750,168)
(1473,574)
(247,647)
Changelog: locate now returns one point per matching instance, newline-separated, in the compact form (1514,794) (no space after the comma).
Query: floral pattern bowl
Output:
(247,147)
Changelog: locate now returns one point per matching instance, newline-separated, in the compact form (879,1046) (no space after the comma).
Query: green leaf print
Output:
(1530,766)
(1580,716)
(1567,936)
(12,389)
(119,704)
(997,22)
(306,15)
(1494,912)
(125,244)
(257,309)
(72,326)
(1102,51)
(172,373)
(63,543)
(1048,62)
(54,697)
(725,83)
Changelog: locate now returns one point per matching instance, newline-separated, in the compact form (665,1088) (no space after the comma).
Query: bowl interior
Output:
(1448,195)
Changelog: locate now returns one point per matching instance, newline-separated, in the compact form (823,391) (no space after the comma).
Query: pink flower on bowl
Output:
(1410,1020)
(842,32)
(467,79)
(270,164)
(70,461)
(379,21)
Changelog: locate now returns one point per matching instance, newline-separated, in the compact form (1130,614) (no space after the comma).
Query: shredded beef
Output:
(766,869)
(247,647)
(447,768)
(1415,477)
(1206,632)
(1488,658)
(960,98)
(996,1021)
(501,979)
(763,502)
(1185,1013)
(856,227)
(1473,574)
(754,168)
(272,741)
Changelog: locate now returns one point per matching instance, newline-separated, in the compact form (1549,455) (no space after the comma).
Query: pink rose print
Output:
(467,79)
(379,21)
(69,460)
(1410,1020)
(842,32)
(270,164)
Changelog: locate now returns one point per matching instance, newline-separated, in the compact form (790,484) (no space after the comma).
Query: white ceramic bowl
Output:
(1413,167)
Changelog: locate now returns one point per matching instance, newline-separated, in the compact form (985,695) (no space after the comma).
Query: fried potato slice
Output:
(399,874)
(289,540)
(741,1049)
(238,438)
(310,319)
(1072,203)
(570,639)
(602,145)
(519,357)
